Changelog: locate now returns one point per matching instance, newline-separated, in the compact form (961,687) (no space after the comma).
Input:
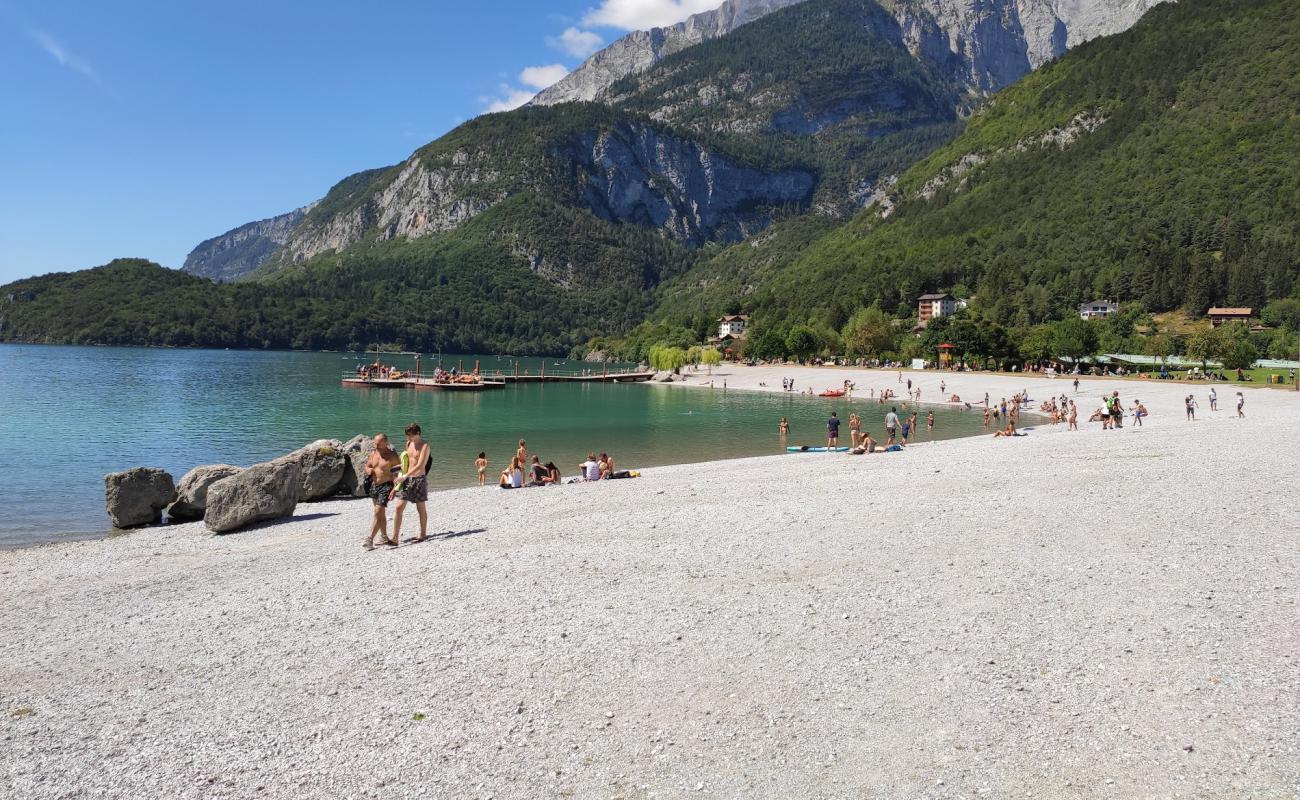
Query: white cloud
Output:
(576,42)
(542,77)
(63,55)
(509,99)
(633,15)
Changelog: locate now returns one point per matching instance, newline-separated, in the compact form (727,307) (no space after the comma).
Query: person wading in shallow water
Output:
(414,484)
(382,466)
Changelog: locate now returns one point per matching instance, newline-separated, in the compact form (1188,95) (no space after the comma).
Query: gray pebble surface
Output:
(1092,614)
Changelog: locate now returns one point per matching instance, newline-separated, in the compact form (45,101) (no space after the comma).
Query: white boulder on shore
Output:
(260,493)
(137,496)
(192,491)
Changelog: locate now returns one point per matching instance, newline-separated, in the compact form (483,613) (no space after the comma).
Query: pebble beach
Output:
(1108,614)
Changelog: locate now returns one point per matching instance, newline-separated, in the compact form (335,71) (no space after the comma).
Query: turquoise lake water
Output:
(71,414)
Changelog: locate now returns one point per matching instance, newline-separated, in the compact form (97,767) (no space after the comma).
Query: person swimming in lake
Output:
(481,464)
(784,427)
(929,423)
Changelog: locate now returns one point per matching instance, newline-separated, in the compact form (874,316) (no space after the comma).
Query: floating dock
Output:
(493,381)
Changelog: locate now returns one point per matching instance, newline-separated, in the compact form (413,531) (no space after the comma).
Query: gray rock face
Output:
(192,491)
(236,253)
(641,50)
(320,466)
(138,496)
(997,40)
(631,173)
(421,200)
(261,492)
(355,455)
(637,174)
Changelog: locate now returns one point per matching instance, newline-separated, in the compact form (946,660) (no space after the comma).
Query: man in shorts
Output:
(832,432)
(891,425)
(381,467)
(415,484)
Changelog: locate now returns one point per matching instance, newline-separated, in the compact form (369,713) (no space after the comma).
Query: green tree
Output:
(1283,313)
(868,333)
(768,343)
(1039,343)
(1075,338)
(1205,346)
(1160,346)
(1240,355)
(667,359)
(710,357)
(802,342)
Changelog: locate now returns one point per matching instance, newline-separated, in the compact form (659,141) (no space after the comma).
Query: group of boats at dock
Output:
(381,376)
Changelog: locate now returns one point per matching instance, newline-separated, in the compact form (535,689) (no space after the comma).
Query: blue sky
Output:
(141,127)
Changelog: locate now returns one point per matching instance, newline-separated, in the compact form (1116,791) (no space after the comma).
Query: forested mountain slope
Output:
(1157,166)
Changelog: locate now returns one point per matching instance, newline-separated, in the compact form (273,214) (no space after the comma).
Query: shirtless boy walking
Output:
(415,484)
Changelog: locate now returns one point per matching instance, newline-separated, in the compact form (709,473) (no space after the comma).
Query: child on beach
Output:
(481,463)
(1241,404)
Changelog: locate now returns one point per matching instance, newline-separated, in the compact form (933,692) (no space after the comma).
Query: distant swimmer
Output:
(784,427)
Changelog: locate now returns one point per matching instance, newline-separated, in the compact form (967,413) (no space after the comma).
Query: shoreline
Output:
(747,379)
(1120,624)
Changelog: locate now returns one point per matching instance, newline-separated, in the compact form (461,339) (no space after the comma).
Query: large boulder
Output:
(355,455)
(138,496)
(192,491)
(320,466)
(261,492)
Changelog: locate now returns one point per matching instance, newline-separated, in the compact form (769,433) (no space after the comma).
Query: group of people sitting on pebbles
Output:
(527,471)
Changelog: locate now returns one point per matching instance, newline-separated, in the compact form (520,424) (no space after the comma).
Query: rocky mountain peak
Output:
(999,40)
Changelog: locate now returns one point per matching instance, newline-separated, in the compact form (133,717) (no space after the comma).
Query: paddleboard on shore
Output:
(808,449)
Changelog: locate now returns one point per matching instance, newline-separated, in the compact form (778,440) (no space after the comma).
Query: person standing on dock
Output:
(415,484)
(381,466)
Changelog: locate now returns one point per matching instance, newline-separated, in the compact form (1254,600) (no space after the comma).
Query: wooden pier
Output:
(497,380)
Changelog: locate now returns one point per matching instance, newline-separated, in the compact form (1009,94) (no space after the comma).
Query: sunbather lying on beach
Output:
(1008,431)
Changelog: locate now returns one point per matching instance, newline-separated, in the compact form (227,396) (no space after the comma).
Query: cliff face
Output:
(640,50)
(998,40)
(628,173)
(238,252)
